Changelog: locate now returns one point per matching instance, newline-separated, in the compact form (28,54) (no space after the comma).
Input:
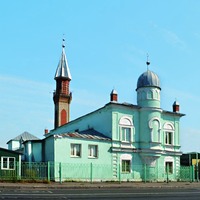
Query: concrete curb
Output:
(74,185)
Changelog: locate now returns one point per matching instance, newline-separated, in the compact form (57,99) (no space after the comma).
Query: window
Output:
(76,150)
(92,151)
(169,133)
(150,95)
(169,167)
(126,134)
(126,130)
(8,163)
(126,166)
(168,138)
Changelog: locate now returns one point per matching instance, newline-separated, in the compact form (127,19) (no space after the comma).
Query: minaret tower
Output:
(62,96)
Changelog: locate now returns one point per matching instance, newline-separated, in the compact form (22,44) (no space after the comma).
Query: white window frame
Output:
(169,130)
(7,163)
(124,158)
(75,150)
(126,167)
(92,151)
(124,134)
(169,138)
(126,122)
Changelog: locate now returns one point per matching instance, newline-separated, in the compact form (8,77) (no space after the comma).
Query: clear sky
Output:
(106,45)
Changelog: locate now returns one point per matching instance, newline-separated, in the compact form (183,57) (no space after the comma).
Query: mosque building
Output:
(122,136)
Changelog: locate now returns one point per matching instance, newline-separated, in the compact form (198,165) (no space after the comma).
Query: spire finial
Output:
(147,62)
(63,41)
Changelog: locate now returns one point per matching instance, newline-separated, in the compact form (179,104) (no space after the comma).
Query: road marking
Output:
(106,194)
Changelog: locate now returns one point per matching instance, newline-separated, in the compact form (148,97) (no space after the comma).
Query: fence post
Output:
(193,176)
(48,171)
(60,172)
(19,170)
(167,173)
(20,167)
(119,173)
(91,172)
(145,173)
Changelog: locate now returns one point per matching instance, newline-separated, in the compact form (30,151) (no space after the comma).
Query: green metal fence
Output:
(34,171)
(50,171)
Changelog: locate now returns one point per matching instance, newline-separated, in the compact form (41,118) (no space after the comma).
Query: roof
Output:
(148,79)
(10,151)
(173,113)
(24,137)
(125,104)
(86,134)
(63,69)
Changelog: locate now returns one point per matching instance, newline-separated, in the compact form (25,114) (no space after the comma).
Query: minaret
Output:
(62,96)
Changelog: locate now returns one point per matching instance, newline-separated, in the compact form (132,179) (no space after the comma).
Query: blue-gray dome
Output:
(148,79)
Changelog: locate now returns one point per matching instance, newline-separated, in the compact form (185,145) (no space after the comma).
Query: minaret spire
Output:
(63,42)
(63,69)
(62,96)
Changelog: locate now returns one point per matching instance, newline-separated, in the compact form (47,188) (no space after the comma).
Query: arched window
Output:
(156,94)
(150,94)
(143,95)
(168,133)
(63,117)
(155,126)
(126,129)
(139,96)
(155,130)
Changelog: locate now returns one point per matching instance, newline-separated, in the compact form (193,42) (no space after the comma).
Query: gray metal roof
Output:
(86,134)
(24,137)
(63,69)
(148,79)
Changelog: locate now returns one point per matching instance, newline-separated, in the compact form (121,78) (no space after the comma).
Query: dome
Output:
(148,79)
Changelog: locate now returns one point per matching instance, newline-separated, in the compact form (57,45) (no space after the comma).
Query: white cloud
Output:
(25,105)
(170,36)
(29,86)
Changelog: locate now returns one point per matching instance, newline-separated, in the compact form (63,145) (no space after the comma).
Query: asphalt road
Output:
(103,193)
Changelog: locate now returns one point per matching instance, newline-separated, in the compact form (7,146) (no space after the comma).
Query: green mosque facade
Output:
(124,137)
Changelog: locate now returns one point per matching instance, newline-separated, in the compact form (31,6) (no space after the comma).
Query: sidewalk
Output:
(74,185)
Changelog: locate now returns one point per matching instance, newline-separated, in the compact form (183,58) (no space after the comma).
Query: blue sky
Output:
(106,45)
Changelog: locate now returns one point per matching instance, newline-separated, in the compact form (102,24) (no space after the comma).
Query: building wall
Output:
(7,166)
(9,154)
(147,148)
(71,167)
(37,152)
(100,120)
(13,145)
(63,151)
(49,149)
